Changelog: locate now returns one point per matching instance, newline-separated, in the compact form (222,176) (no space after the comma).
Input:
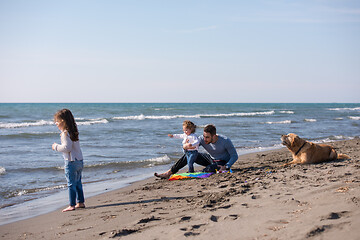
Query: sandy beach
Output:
(261,199)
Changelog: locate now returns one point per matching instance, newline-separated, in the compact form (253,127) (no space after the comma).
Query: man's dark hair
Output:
(210,129)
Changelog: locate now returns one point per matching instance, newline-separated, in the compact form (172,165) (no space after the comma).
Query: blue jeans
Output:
(191,157)
(73,171)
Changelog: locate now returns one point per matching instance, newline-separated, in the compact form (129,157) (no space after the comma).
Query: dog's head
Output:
(292,141)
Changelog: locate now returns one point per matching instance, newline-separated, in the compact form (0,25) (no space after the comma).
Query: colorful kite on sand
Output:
(181,176)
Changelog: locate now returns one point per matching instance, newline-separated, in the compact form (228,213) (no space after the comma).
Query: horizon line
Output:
(179,102)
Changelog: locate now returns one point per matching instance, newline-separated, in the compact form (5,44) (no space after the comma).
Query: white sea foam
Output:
(341,137)
(167,117)
(288,112)
(239,114)
(333,139)
(309,120)
(163,159)
(163,109)
(354,118)
(345,109)
(280,122)
(22,192)
(138,117)
(157,161)
(93,121)
(2,170)
(243,151)
(25,124)
(44,123)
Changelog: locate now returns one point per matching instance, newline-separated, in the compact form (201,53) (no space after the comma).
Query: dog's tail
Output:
(343,156)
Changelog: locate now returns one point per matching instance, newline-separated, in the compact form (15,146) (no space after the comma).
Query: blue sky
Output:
(179,51)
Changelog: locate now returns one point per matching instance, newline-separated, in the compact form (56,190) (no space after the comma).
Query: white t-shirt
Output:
(193,140)
(71,150)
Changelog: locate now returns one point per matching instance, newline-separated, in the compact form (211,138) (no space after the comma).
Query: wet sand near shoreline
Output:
(261,199)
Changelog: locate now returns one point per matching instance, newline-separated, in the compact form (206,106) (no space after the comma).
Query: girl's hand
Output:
(53,146)
(170,135)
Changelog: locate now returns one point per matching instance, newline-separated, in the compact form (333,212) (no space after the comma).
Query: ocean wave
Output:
(344,109)
(161,160)
(164,109)
(22,192)
(310,120)
(247,150)
(28,135)
(39,169)
(97,156)
(354,118)
(102,165)
(167,117)
(2,171)
(93,121)
(249,114)
(25,124)
(333,139)
(280,122)
(287,112)
(80,121)
(131,164)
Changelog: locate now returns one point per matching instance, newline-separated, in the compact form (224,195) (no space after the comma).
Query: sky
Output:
(180,51)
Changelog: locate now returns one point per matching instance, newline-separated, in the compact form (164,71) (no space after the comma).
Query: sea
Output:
(127,142)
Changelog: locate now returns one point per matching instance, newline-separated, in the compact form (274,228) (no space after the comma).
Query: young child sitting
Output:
(189,137)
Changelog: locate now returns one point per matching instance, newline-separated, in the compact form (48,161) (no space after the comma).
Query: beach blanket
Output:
(181,176)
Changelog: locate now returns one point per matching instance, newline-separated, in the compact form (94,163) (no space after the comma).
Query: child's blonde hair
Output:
(190,125)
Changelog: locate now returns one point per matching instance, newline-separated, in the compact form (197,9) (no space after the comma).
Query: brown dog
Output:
(305,152)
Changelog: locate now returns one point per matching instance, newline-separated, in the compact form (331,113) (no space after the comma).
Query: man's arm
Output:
(233,154)
(188,145)
(191,143)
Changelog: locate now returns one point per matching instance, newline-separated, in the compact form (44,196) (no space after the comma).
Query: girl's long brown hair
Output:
(70,125)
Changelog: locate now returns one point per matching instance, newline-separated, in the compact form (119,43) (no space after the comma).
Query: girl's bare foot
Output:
(69,208)
(164,175)
(80,205)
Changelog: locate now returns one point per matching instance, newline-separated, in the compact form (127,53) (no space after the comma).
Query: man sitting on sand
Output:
(220,148)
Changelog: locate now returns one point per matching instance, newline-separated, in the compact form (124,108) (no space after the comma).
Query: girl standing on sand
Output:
(70,147)
(189,137)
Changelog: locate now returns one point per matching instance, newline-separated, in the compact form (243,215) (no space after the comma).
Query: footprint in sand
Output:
(335,215)
(108,217)
(123,232)
(197,226)
(214,218)
(191,232)
(255,196)
(186,218)
(146,220)
(226,206)
(232,217)
(318,230)
(188,234)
